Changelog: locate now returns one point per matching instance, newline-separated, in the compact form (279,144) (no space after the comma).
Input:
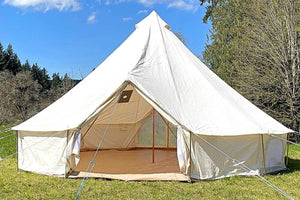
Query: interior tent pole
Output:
(167,135)
(153,137)
(263,151)
(287,150)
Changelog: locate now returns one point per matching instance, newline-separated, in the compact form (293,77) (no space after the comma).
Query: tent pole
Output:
(17,149)
(287,150)
(263,151)
(190,169)
(168,134)
(153,138)
(67,166)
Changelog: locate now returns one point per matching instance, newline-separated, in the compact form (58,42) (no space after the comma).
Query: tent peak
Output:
(152,17)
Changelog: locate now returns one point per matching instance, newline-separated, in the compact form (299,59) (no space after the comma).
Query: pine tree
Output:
(56,81)
(12,62)
(2,61)
(26,66)
(41,76)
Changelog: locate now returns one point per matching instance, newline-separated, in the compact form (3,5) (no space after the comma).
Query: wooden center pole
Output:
(168,134)
(153,138)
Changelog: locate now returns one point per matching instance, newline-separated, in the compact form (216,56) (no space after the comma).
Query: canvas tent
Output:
(152,69)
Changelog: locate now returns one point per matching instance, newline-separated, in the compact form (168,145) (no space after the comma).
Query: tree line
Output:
(255,47)
(26,89)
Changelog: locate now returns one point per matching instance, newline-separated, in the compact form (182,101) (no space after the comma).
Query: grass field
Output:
(23,185)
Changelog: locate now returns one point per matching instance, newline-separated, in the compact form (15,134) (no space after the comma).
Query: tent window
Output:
(125,96)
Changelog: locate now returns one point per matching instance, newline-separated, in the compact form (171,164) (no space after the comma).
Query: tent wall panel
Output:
(42,153)
(117,136)
(145,133)
(274,152)
(209,163)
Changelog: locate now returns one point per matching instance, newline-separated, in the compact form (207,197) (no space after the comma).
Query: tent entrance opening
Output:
(136,134)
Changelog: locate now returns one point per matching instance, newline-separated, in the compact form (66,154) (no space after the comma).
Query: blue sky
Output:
(75,36)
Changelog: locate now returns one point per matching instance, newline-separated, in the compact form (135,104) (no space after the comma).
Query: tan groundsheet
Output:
(131,165)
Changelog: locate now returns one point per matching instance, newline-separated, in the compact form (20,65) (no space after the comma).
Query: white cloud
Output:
(184,5)
(45,5)
(91,19)
(125,19)
(142,12)
(190,5)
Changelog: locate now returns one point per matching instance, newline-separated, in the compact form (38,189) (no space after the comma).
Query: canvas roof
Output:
(170,78)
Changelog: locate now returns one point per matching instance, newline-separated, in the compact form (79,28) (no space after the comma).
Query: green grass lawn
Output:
(24,185)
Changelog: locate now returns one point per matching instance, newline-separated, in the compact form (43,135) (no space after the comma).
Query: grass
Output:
(8,144)
(24,185)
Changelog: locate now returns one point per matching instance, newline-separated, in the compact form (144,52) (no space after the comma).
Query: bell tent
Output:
(152,108)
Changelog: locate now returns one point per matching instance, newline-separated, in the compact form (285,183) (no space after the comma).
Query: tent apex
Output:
(153,16)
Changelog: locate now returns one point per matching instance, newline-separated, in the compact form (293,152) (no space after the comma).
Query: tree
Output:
(41,76)
(19,102)
(228,23)
(26,94)
(209,9)
(255,48)
(67,84)
(26,66)
(12,62)
(56,81)
(25,89)
(270,62)
(2,58)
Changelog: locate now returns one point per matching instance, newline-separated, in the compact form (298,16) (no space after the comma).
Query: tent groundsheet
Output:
(134,164)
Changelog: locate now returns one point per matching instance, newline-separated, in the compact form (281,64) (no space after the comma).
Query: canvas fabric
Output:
(158,64)
(165,75)
(209,163)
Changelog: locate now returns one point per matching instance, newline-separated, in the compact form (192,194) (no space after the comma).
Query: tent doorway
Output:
(130,147)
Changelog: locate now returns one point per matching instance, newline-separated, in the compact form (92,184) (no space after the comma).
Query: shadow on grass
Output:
(293,166)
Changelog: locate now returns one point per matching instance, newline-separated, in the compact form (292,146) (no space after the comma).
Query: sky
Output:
(75,36)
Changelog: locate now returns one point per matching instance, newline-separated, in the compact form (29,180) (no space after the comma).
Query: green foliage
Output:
(41,76)
(2,58)
(30,88)
(209,9)
(56,81)
(11,61)
(254,47)
(226,35)
(21,98)
(26,66)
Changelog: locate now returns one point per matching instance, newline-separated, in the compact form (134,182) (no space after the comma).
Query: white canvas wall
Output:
(41,152)
(209,163)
